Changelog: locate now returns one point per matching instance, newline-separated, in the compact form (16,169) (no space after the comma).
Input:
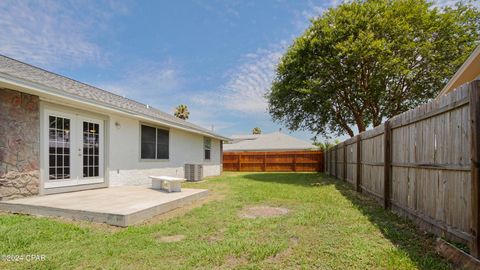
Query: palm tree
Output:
(256,131)
(181,111)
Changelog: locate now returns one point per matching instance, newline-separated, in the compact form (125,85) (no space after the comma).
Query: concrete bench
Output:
(167,183)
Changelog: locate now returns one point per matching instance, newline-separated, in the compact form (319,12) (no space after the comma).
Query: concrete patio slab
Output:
(119,206)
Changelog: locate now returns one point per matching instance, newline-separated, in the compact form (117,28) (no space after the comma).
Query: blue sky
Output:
(217,57)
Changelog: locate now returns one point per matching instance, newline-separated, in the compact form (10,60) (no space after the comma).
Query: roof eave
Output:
(460,71)
(35,88)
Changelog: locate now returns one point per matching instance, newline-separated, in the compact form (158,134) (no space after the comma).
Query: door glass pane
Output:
(91,151)
(59,148)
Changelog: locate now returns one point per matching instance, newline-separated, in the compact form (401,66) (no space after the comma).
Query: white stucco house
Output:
(58,135)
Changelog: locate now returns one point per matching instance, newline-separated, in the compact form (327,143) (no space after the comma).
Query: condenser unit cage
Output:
(193,172)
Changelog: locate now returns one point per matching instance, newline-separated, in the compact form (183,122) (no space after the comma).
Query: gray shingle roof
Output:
(26,72)
(266,142)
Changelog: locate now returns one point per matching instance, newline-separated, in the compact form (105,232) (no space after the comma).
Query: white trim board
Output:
(56,96)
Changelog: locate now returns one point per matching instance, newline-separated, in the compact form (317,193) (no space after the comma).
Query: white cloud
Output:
(50,33)
(315,11)
(452,3)
(247,84)
(246,90)
(249,81)
(163,86)
(205,117)
(148,82)
(302,18)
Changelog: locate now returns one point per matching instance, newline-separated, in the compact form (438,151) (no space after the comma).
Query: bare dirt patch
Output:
(293,242)
(171,238)
(231,262)
(215,237)
(263,211)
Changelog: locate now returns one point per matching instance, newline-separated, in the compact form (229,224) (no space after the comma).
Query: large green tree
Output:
(365,61)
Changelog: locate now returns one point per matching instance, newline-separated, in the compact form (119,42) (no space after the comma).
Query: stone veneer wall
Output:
(19,144)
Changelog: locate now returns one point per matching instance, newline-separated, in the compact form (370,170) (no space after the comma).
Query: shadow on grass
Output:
(403,233)
(418,245)
(300,179)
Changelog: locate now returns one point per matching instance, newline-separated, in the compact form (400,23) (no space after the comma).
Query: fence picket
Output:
(424,165)
(287,161)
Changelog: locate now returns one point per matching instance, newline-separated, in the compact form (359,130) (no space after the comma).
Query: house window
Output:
(207,147)
(154,143)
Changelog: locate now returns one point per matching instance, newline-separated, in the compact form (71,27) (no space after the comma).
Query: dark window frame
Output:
(156,155)
(207,149)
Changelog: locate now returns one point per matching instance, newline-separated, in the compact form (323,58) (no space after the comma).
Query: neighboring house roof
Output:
(469,71)
(245,137)
(12,70)
(266,142)
(237,138)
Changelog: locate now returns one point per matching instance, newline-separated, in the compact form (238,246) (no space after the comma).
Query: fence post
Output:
(239,162)
(344,162)
(265,161)
(336,161)
(359,163)
(474,99)
(294,162)
(386,165)
(327,162)
(332,161)
(321,162)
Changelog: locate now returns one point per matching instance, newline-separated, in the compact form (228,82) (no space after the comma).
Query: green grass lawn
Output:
(329,227)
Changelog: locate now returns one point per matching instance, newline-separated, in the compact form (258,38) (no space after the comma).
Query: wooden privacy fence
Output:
(419,164)
(288,161)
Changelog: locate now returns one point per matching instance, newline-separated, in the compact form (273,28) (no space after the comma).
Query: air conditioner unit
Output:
(193,172)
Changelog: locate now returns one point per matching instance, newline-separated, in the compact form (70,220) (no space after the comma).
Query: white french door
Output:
(75,149)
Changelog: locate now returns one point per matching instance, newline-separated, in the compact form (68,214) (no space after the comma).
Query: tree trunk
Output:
(377,121)
(360,123)
(346,128)
(350,131)
(361,128)
(340,120)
